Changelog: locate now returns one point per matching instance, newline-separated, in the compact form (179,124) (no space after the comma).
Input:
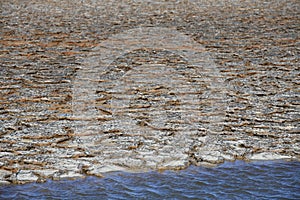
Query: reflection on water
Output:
(238,180)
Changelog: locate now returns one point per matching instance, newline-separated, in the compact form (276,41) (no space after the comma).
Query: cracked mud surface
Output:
(89,87)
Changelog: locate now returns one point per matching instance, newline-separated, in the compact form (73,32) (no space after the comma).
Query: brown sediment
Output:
(140,122)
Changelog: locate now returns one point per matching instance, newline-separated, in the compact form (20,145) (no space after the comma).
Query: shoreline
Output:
(104,174)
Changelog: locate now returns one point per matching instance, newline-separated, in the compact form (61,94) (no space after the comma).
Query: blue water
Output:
(237,180)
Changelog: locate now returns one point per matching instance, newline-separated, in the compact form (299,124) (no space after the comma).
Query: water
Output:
(237,180)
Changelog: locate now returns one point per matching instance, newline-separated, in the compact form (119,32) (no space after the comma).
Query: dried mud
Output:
(89,87)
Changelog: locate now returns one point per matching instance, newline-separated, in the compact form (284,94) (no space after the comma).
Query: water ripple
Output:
(237,180)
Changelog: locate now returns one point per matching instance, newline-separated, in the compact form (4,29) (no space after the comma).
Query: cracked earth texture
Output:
(89,86)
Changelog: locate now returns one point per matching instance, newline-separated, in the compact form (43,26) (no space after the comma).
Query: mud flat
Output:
(89,87)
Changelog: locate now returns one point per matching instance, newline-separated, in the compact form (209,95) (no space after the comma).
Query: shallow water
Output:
(237,180)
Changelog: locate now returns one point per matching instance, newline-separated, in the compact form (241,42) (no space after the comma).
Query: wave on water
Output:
(231,180)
